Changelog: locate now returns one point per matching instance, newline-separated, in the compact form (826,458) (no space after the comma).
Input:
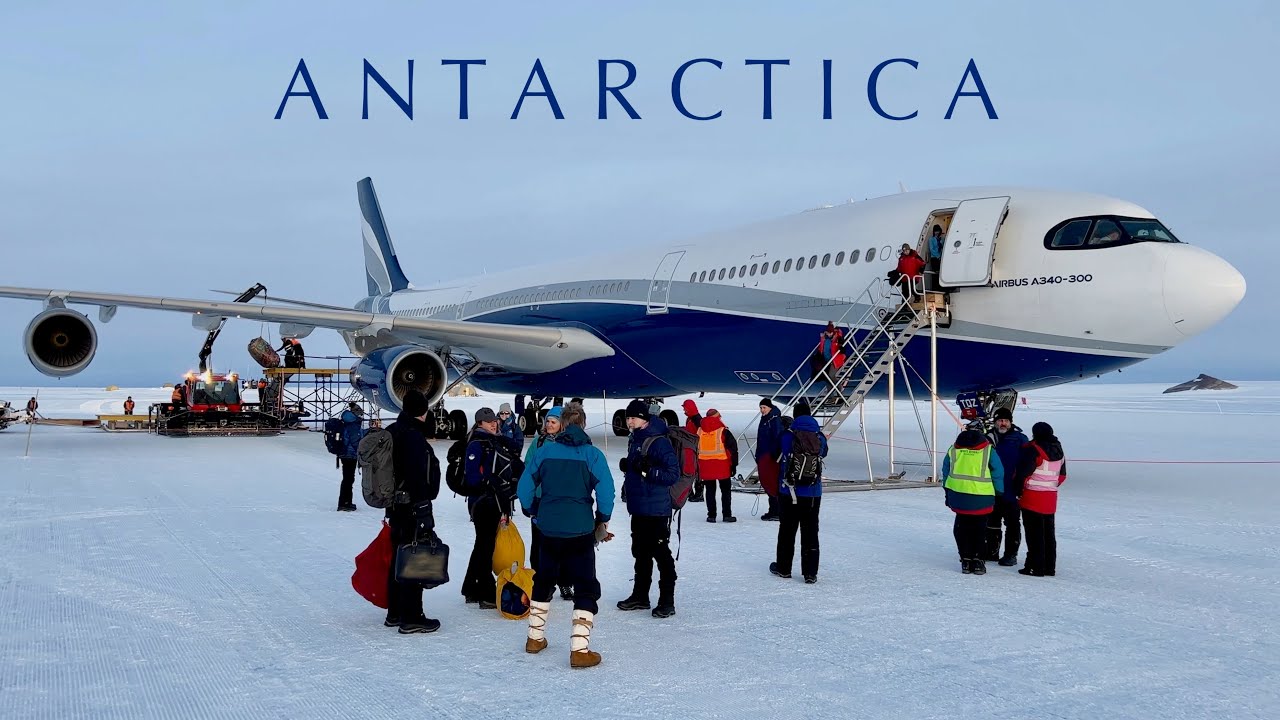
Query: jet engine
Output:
(60,342)
(384,376)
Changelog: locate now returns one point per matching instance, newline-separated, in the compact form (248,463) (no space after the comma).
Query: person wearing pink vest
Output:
(1042,467)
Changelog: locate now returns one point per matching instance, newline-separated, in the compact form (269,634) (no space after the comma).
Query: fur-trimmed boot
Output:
(579,655)
(537,641)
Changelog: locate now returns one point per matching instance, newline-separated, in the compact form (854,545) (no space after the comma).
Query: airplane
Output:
(1044,287)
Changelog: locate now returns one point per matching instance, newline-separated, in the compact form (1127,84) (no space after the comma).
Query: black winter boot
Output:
(420,624)
(635,602)
(566,592)
(978,567)
(966,565)
(666,602)
(1008,561)
(773,568)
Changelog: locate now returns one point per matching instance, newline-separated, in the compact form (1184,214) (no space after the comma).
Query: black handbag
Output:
(424,563)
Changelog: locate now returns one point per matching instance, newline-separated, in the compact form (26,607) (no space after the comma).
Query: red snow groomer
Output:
(210,404)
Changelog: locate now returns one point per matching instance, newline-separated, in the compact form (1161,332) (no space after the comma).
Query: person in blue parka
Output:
(352,433)
(651,469)
(803,445)
(558,489)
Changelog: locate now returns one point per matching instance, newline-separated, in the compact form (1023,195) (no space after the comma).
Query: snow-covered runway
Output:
(151,577)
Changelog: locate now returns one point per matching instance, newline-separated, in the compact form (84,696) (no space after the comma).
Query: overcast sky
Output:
(140,153)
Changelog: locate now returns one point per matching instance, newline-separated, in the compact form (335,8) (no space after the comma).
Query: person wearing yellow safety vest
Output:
(717,463)
(1042,467)
(973,477)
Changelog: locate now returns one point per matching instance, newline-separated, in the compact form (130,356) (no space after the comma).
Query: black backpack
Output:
(508,469)
(333,441)
(804,467)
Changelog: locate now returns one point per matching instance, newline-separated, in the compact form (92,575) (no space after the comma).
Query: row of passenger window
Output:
(779,266)
(424,312)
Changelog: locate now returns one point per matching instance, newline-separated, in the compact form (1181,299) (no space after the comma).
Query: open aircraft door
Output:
(971,242)
(660,287)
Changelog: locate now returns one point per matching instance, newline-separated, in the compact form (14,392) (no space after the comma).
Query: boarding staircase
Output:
(882,324)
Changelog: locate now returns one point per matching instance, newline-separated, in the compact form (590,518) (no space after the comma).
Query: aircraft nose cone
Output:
(1200,289)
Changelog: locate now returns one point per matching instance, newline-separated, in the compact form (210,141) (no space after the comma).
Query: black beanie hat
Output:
(1004,414)
(801,409)
(638,409)
(1041,431)
(970,438)
(415,404)
(766,402)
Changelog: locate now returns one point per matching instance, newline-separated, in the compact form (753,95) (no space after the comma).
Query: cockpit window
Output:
(1103,232)
(1071,235)
(1147,231)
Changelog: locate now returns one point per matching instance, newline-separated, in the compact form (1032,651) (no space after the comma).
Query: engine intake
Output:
(385,375)
(60,342)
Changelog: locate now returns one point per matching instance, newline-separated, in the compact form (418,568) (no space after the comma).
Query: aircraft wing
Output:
(516,348)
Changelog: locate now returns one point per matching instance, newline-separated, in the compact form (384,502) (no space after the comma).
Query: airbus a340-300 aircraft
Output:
(1047,287)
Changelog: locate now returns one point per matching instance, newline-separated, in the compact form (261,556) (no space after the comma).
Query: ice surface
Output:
(149,577)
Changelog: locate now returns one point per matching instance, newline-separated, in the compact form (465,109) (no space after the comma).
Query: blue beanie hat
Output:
(554,412)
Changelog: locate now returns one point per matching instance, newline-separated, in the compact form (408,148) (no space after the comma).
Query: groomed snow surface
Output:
(148,577)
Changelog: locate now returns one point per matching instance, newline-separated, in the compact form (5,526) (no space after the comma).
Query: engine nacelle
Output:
(384,376)
(60,342)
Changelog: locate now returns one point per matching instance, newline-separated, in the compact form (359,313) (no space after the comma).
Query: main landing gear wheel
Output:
(529,421)
(670,418)
(620,423)
(457,425)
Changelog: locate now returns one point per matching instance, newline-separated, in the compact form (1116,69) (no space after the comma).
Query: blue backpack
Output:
(333,441)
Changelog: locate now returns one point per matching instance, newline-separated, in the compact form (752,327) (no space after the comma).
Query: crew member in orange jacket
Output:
(717,463)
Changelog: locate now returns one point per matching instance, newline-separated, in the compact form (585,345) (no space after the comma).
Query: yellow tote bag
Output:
(508,549)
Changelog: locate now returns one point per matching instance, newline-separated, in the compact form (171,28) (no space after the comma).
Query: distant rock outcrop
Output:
(1202,382)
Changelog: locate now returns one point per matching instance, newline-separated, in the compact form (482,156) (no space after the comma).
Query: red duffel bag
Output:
(373,566)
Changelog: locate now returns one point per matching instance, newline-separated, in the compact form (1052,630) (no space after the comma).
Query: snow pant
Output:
(650,544)
(348,481)
(480,583)
(535,547)
(970,533)
(1007,512)
(1042,544)
(802,514)
(404,602)
(568,561)
(726,496)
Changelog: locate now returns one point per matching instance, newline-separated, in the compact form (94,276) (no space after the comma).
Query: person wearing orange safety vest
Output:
(1042,467)
(717,463)
(128,405)
(973,476)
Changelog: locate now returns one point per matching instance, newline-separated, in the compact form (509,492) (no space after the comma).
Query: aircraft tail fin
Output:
(381,267)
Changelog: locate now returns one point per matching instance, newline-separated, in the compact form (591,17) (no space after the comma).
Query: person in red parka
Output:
(717,463)
(692,422)
(1042,467)
(910,265)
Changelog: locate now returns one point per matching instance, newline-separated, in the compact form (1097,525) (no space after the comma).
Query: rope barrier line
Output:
(1092,460)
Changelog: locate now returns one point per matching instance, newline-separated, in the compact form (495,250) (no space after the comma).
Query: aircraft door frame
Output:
(971,242)
(659,297)
(462,305)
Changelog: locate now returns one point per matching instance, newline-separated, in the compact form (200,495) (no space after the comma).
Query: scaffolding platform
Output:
(306,397)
